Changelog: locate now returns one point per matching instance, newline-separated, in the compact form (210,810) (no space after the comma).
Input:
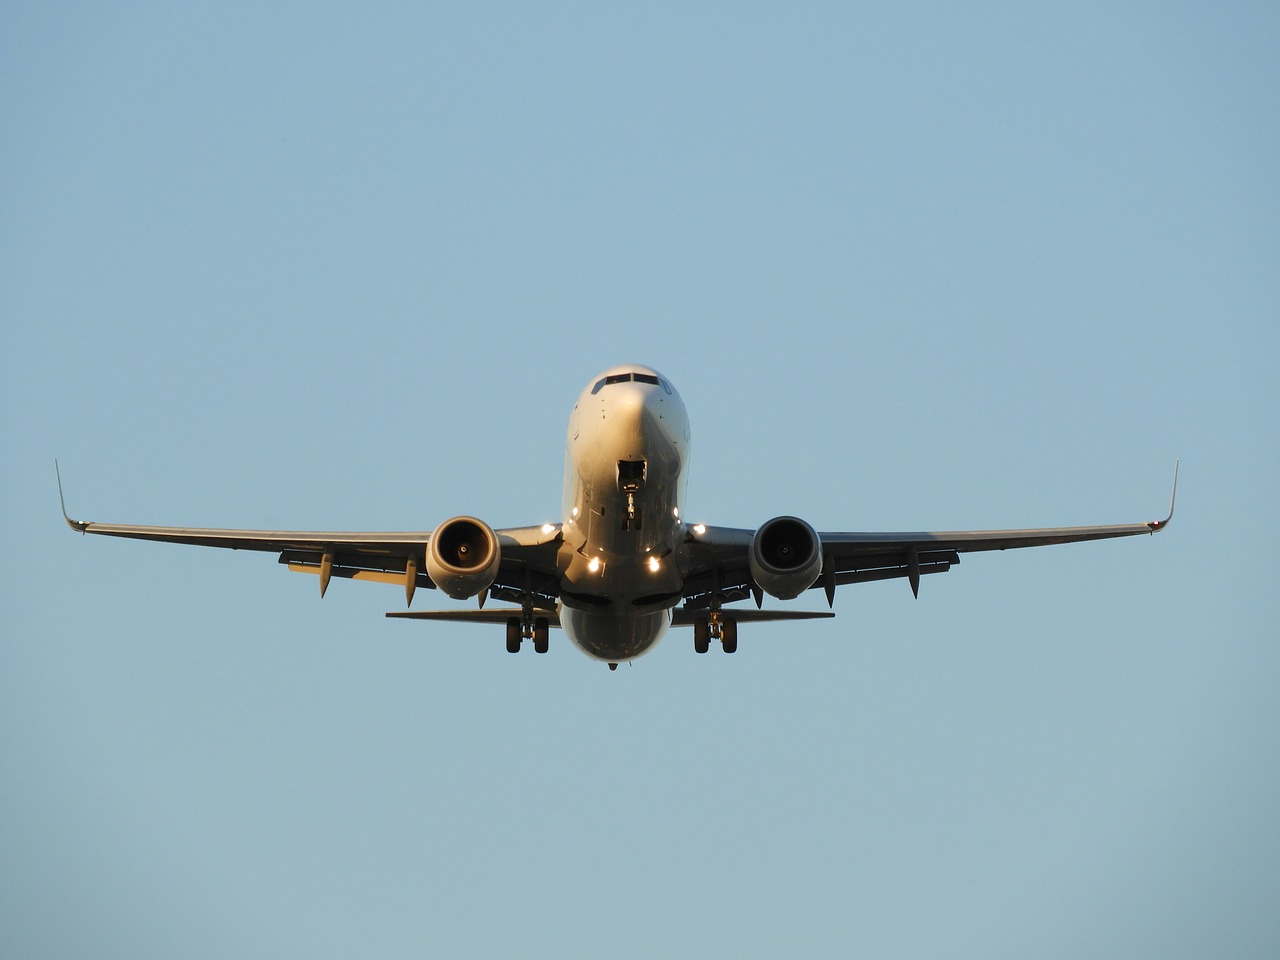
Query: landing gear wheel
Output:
(541,630)
(701,635)
(513,634)
(729,635)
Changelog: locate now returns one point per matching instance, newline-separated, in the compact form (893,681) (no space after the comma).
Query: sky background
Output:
(937,267)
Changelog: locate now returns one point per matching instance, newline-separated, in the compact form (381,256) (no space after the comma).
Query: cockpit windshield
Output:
(627,378)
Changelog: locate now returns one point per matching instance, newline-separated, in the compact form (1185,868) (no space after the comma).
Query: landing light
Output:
(699,529)
(548,527)
(654,565)
(594,565)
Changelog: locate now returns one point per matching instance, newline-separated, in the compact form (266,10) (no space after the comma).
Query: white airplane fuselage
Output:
(621,564)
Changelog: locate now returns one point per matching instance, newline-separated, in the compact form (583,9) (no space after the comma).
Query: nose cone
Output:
(629,406)
(634,408)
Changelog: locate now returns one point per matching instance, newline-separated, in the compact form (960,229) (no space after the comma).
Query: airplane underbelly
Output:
(612,638)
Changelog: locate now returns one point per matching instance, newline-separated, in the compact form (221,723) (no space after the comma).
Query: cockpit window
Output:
(628,377)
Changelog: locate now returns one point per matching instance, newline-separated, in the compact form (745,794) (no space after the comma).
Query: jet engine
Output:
(785,557)
(463,557)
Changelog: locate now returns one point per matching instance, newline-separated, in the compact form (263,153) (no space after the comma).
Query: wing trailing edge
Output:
(493,615)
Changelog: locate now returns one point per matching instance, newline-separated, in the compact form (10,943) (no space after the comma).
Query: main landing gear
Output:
(715,627)
(538,629)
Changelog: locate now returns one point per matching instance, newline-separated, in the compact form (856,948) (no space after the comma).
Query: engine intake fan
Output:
(785,557)
(463,557)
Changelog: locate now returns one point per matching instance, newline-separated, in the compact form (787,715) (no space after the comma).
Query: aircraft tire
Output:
(701,635)
(513,635)
(541,632)
(729,635)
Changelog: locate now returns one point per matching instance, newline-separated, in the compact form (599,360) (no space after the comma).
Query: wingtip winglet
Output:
(1158,525)
(78,525)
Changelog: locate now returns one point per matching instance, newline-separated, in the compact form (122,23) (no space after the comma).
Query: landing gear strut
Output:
(715,625)
(526,626)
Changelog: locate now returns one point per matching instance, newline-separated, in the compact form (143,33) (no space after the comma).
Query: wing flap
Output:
(967,541)
(377,576)
(371,543)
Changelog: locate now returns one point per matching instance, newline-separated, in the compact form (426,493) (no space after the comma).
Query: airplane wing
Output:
(528,553)
(719,562)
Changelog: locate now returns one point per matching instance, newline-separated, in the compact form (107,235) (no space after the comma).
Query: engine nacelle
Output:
(463,557)
(785,557)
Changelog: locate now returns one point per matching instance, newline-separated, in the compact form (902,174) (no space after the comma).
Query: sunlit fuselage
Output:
(621,564)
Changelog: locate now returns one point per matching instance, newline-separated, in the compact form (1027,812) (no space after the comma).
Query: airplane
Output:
(623,564)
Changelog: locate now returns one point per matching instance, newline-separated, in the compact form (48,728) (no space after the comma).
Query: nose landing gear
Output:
(631,475)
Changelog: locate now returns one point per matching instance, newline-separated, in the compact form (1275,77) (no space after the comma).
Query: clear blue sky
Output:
(327,266)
